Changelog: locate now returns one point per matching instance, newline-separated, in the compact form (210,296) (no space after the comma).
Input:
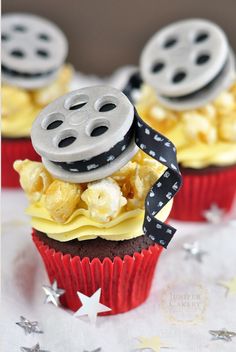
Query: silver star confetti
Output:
(222,334)
(91,306)
(35,348)
(214,215)
(193,251)
(29,326)
(53,293)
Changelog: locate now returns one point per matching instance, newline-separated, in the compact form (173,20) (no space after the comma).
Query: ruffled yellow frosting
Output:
(203,137)
(111,208)
(20,106)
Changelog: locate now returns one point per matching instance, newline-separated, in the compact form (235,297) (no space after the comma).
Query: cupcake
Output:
(100,198)
(33,75)
(189,94)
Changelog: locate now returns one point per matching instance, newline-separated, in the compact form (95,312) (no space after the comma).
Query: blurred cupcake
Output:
(33,75)
(189,95)
(98,205)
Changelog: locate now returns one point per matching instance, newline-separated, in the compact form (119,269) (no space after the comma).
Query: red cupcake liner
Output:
(125,283)
(200,191)
(13,149)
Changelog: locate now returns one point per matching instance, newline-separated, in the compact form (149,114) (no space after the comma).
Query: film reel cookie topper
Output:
(33,50)
(188,63)
(90,133)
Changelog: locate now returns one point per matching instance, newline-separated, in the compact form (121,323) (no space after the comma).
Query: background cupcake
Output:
(189,95)
(33,74)
(101,227)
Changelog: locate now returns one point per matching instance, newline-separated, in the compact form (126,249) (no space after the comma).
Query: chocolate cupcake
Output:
(189,95)
(99,204)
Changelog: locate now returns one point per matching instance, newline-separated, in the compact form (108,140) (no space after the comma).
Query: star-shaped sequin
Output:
(29,326)
(193,250)
(222,334)
(214,215)
(229,285)
(35,348)
(91,306)
(53,293)
(152,343)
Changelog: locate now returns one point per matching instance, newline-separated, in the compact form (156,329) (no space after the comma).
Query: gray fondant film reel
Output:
(188,63)
(86,134)
(33,50)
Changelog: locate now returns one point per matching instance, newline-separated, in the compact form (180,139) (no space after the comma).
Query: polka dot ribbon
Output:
(161,149)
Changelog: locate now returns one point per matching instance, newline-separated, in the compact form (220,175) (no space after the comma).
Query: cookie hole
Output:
(201,37)
(170,42)
(179,77)
(66,142)
(76,102)
(42,53)
(77,106)
(202,59)
(107,107)
(45,37)
(54,124)
(17,53)
(98,131)
(158,66)
(5,37)
(19,28)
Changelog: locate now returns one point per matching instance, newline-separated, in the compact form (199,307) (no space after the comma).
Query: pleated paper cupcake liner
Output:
(125,283)
(201,190)
(13,149)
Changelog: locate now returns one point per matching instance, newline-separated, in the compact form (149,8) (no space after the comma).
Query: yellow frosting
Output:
(111,208)
(203,137)
(20,106)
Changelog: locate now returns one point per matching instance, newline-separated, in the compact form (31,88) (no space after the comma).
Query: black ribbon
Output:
(163,150)
(134,82)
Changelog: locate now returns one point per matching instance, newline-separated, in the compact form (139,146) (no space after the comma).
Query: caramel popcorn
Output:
(227,127)
(13,100)
(57,88)
(104,199)
(34,178)
(61,199)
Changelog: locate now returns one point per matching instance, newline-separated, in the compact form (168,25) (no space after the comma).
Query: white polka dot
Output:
(162,159)
(152,237)
(123,148)
(148,218)
(169,231)
(158,226)
(158,138)
(147,131)
(167,144)
(162,242)
(143,146)
(169,195)
(110,158)
(139,124)
(152,153)
(175,186)
(152,194)
(166,174)
(159,184)
(160,204)
(92,166)
(173,166)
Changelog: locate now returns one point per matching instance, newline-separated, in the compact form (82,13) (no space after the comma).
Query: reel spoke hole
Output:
(107,107)
(201,37)
(170,42)
(158,67)
(179,77)
(202,59)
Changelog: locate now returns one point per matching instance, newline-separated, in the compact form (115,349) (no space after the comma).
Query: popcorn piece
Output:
(199,128)
(34,178)
(227,127)
(225,103)
(104,199)
(57,88)
(13,100)
(61,200)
